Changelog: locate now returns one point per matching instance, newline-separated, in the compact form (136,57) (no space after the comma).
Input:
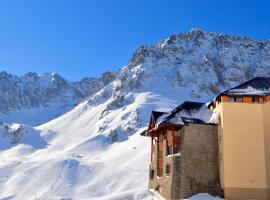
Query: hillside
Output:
(94,151)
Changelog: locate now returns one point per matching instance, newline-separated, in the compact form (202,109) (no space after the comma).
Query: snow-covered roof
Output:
(159,116)
(259,86)
(190,112)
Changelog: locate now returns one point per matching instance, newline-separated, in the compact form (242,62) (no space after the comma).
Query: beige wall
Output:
(266,123)
(244,147)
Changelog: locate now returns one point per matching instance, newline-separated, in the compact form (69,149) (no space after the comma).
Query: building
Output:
(223,150)
(244,139)
(184,152)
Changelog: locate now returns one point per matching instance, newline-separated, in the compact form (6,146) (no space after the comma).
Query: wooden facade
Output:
(167,133)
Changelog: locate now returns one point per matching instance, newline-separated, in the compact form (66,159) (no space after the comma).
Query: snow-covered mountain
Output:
(37,98)
(192,66)
(95,151)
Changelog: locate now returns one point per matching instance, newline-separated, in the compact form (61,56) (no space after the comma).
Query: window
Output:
(238,99)
(168,169)
(152,174)
(158,188)
(169,150)
(255,100)
(176,149)
(230,99)
(173,150)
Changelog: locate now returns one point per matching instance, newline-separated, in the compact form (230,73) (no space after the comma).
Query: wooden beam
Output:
(172,140)
(151,149)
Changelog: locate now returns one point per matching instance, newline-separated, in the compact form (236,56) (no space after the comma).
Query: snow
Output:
(72,165)
(189,114)
(250,91)
(12,134)
(35,116)
(173,155)
(203,197)
(214,118)
(95,151)
(76,161)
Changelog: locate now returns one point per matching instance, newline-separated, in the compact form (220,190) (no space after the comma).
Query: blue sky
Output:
(78,38)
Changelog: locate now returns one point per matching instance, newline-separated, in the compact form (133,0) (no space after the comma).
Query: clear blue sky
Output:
(78,38)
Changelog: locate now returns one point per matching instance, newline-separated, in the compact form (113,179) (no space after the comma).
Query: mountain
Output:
(37,98)
(95,151)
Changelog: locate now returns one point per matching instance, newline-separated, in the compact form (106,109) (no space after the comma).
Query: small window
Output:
(152,174)
(158,188)
(169,150)
(168,169)
(238,99)
(230,99)
(176,149)
(255,100)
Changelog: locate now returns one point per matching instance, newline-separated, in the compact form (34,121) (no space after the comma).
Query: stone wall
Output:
(199,170)
(194,169)
(162,184)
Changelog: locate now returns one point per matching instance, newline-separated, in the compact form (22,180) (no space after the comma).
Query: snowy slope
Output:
(76,163)
(95,151)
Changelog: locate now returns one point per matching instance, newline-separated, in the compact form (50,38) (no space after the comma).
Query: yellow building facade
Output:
(244,141)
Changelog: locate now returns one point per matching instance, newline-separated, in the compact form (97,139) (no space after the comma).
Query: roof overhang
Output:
(144,133)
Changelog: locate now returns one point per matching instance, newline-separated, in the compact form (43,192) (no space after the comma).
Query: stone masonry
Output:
(193,169)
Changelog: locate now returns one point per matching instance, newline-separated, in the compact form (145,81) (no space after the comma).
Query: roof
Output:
(259,86)
(189,112)
(144,132)
(193,120)
(157,115)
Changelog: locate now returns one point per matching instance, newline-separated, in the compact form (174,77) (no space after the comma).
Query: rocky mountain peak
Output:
(44,91)
(195,66)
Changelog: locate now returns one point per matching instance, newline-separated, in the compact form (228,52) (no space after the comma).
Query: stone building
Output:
(184,152)
(222,148)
